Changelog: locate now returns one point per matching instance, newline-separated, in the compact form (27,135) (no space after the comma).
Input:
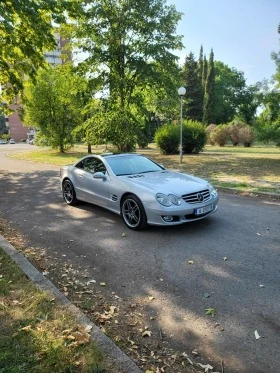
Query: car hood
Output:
(168,182)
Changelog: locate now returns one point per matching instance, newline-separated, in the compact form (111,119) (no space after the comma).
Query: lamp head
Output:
(182,91)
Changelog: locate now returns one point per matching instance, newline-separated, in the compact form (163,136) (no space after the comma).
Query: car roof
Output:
(105,155)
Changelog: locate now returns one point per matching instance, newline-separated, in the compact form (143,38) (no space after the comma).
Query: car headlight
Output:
(175,200)
(212,190)
(167,201)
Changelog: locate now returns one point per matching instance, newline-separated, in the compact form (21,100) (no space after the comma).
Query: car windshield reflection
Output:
(131,165)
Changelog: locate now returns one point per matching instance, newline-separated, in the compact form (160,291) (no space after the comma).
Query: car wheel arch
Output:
(72,199)
(65,178)
(128,194)
(143,217)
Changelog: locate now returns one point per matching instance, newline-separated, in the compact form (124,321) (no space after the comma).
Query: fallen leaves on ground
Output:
(26,328)
(119,318)
(147,333)
(206,367)
(77,336)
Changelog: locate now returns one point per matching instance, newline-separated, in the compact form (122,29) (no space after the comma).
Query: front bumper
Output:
(180,214)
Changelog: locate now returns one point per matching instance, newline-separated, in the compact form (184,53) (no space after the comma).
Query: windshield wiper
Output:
(145,172)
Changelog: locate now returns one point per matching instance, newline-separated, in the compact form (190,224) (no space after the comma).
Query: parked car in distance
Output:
(12,141)
(137,188)
(2,142)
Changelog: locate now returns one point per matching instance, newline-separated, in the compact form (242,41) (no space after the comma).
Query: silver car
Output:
(137,188)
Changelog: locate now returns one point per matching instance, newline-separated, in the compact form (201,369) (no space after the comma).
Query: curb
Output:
(248,193)
(117,359)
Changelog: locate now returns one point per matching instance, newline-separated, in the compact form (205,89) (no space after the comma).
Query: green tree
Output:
(232,97)
(200,66)
(52,107)
(271,103)
(204,73)
(85,98)
(269,120)
(25,32)
(247,109)
(129,47)
(208,103)
(276,58)
(192,82)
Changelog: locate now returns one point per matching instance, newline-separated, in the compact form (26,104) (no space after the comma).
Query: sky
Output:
(242,33)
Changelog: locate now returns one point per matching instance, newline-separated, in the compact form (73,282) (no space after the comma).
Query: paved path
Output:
(246,231)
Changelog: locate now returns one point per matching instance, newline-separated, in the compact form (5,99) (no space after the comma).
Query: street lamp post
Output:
(181,93)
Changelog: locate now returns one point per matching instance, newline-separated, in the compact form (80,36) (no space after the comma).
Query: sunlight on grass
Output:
(256,167)
(37,335)
(259,149)
(50,156)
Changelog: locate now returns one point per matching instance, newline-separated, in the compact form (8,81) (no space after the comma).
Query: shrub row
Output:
(194,138)
(235,132)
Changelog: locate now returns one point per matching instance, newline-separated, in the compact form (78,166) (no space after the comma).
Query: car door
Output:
(87,187)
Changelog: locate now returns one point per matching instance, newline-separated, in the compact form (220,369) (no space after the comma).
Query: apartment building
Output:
(55,57)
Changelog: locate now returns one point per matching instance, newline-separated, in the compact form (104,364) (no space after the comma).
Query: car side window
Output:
(92,165)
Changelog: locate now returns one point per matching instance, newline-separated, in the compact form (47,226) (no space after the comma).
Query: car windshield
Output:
(132,164)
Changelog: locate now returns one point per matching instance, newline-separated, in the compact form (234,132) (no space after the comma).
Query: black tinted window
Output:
(92,165)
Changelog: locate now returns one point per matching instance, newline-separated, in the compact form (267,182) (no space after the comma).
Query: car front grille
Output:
(197,197)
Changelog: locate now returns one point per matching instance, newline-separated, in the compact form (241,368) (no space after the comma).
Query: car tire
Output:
(133,213)
(69,194)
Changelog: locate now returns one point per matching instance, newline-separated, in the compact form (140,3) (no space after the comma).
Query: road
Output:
(235,255)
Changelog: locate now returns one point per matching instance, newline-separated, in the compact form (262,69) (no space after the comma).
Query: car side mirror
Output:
(99,175)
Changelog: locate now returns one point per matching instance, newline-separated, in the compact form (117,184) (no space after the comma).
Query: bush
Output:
(194,137)
(246,135)
(209,129)
(233,131)
(220,135)
(6,136)
(167,139)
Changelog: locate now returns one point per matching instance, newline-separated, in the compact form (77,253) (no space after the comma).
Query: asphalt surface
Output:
(235,255)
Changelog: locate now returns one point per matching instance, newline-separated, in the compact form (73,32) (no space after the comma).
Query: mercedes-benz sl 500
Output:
(137,188)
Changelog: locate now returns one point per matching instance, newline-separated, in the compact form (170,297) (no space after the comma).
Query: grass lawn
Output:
(36,334)
(255,169)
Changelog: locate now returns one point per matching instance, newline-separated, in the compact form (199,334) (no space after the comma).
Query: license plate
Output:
(203,210)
